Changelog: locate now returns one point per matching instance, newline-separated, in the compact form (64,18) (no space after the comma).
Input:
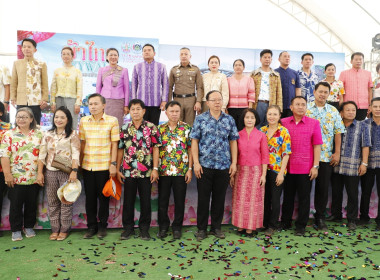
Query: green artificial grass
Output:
(338,254)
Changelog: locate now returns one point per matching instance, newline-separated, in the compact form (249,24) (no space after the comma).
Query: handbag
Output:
(62,163)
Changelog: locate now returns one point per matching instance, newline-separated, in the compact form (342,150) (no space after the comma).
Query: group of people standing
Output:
(271,132)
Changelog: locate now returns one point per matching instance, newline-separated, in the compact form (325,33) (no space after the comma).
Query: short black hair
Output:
(341,107)
(375,99)
(239,59)
(298,97)
(111,49)
(254,112)
(69,125)
(212,91)
(281,53)
(325,84)
(328,65)
(136,102)
(185,48)
(2,110)
(306,54)
(148,45)
(172,103)
(357,53)
(30,41)
(97,95)
(266,51)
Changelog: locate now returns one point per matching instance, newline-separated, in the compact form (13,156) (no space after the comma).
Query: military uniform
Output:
(186,87)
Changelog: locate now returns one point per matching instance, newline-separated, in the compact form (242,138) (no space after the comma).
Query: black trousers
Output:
(321,193)
(179,186)
(36,112)
(94,182)
(351,183)
(152,114)
(300,184)
(367,182)
(286,113)
(131,185)
(361,114)
(23,196)
(213,184)
(236,114)
(272,200)
(3,188)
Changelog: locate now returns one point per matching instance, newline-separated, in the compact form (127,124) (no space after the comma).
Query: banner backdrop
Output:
(90,56)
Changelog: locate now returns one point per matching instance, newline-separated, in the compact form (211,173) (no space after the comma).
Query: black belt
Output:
(265,101)
(183,95)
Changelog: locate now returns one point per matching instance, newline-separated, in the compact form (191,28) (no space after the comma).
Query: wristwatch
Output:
(365,164)
(113,163)
(316,167)
(155,168)
(75,169)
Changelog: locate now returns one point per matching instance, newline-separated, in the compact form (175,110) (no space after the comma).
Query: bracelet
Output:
(155,168)
(6,102)
(190,168)
(365,164)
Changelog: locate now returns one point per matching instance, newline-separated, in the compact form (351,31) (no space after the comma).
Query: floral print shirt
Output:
(337,88)
(174,158)
(279,146)
(308,83)
(22,151)
(3,128)
(53,143)
(331,123)
(138,146)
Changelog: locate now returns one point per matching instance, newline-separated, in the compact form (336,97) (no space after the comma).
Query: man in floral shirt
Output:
(138,158)
(174,161)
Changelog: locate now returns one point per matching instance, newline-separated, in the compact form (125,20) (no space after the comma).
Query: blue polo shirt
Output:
(290,80)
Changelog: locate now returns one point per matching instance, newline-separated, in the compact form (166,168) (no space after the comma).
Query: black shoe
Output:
(240,232)
(126,234)
(162,233)
(144,235)
(201,234)
(351,226)
(177,234)
(321,225)
(218,233)
(333,218)
(300,232)
(102,233)
(364,222)
(286,226)
(90,233)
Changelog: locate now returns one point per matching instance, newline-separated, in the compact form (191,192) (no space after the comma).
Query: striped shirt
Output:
(98,136)
(356,84)
(150,83)
(356,137)
(241,92)
(374,150)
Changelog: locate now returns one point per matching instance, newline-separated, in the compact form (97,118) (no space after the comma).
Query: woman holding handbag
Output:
(59,152)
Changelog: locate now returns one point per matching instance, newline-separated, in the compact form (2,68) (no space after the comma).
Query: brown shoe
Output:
(53,236)
(62,236)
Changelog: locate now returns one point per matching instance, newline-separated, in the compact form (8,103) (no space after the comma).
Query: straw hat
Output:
(68,193)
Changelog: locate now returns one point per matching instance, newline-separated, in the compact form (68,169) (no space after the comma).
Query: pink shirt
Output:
(304,136)
(241,92)
(252,150)
(105,88)
(356,84)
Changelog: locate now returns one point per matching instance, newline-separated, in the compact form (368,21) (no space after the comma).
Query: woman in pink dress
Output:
(113,84)
(249,182)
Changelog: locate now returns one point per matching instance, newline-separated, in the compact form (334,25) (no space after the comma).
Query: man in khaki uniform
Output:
(188,87)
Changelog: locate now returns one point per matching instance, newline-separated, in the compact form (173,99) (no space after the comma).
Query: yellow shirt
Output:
(67,82)
(98,136)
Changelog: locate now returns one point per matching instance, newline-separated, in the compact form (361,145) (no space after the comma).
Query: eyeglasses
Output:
(22,117)
(215,100)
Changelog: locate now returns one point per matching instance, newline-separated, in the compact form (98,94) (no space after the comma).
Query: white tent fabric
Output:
(227,23)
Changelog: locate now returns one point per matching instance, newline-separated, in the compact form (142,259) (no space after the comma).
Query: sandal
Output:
(62,236)
(53,236)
